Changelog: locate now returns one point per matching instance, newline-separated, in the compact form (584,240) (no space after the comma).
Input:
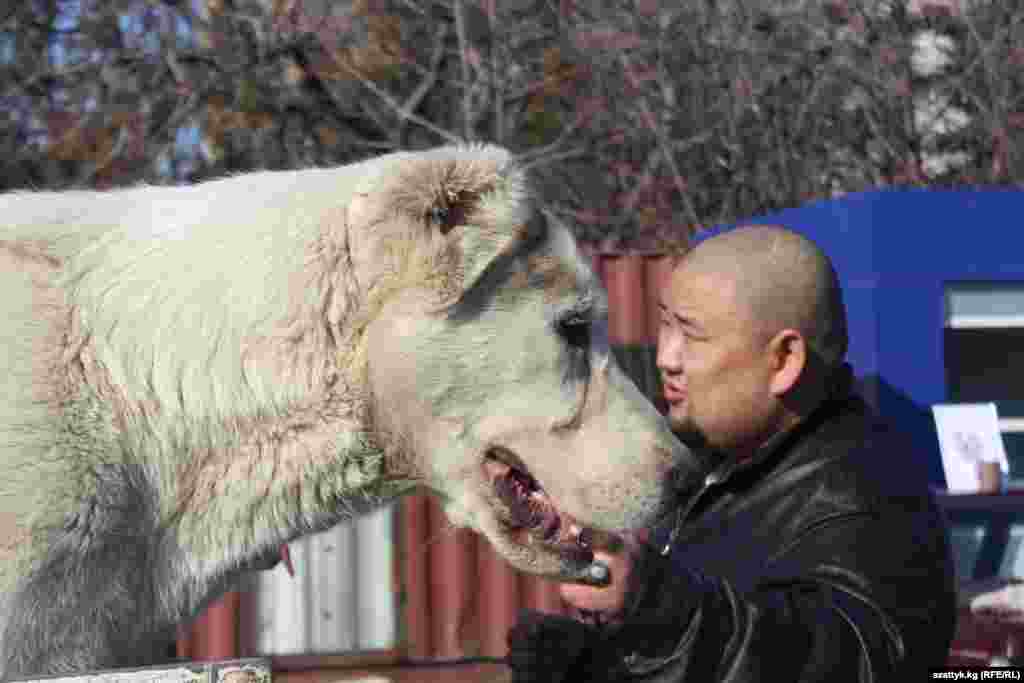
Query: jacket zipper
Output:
(710,480)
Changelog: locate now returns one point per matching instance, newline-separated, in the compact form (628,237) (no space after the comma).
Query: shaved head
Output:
(781,280)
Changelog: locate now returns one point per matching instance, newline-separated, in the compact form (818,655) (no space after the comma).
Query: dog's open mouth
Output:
(531,511)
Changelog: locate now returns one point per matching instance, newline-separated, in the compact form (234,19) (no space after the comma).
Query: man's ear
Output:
(788,355)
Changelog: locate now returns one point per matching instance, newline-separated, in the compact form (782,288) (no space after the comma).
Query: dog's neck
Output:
(267,448)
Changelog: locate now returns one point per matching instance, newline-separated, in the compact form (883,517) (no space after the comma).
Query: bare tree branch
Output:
(92,168)
(417,95)
(460,29)
(553,158)
(403,114)
(711,110)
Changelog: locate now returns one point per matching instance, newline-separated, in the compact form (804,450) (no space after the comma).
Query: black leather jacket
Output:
(824,558)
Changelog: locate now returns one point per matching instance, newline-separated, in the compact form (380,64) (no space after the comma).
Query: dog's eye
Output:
(451,210)
(443,218)
(575,330)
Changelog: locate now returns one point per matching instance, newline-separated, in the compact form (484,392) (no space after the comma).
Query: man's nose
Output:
(666,361)
(664,366)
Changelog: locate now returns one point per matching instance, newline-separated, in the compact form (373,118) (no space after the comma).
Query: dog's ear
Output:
(484,232)
(464,217)
(473,210)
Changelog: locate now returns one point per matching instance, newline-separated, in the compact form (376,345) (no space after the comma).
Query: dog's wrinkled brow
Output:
(530,238)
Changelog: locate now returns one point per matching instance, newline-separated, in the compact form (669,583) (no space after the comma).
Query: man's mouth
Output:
(531,511)
(673,394)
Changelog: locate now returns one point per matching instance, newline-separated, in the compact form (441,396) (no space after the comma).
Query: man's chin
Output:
(687,432)
(679,422)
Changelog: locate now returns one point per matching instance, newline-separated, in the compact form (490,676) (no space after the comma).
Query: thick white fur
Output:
(186,372)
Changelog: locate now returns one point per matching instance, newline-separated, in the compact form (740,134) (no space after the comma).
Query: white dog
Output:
(192,376)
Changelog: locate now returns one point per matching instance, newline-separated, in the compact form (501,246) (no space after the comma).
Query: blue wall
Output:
(895,251)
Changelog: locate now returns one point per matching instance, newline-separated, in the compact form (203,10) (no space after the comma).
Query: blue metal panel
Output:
(950,235)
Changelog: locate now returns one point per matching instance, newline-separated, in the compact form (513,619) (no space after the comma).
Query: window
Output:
(984,356)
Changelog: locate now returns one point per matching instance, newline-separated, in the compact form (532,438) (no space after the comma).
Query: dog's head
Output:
(487,358)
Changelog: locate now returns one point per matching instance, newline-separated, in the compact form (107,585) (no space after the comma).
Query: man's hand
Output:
(554,648)
(606,604)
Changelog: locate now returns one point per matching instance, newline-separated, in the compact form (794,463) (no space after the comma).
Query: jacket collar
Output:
(720,471)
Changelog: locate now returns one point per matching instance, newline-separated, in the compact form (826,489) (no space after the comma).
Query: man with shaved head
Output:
(813,550)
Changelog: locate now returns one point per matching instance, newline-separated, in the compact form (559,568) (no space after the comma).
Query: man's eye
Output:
(575,330)
(691,336)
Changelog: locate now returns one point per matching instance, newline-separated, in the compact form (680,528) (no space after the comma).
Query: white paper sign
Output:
(968,435)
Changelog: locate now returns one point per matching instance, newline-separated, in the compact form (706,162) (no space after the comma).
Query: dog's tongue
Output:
(549,522)
(534,512)
(286,557)
(552,525)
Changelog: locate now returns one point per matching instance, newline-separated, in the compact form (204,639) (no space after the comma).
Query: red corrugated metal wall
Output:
(457,597)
